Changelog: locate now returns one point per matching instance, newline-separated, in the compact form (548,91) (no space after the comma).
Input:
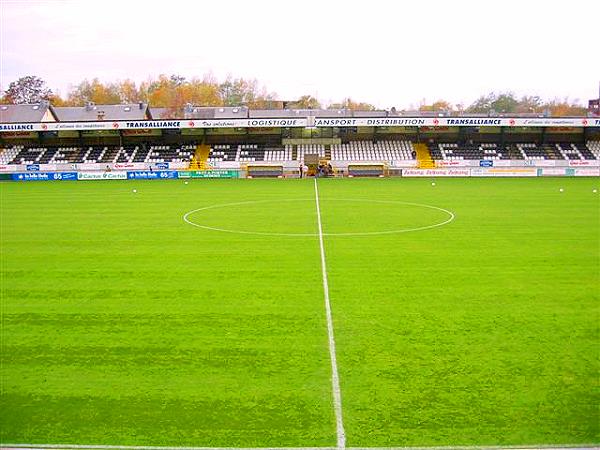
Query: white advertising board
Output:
(435,172)
(591,172)
(504,172)
(86,176)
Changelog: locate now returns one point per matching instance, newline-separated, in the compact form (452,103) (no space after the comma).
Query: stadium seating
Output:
(278,154)
(594,148)
(166,153)
(101,154)
(569,151)
(9,154)
(372,151)
(533,151)
(223,152)
(360,150)
(308,149)
(250,152)
(454,152)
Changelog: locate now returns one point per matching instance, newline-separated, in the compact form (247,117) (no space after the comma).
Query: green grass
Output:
(122,324)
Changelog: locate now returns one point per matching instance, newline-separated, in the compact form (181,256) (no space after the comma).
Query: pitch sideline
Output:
(150,447)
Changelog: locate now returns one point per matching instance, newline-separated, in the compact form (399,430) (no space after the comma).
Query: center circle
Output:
(298,217)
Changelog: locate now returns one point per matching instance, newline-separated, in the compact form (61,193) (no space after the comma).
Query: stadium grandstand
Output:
(44,138)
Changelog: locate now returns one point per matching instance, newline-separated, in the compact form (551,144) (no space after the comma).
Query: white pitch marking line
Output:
(151,447)
(365,233)
(335,379)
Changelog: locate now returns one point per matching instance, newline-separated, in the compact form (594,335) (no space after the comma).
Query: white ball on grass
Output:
(134,191)
(185,182)
(561,190)
(595,190)
(433,183)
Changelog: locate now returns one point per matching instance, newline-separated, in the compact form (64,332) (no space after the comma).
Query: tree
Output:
(483,104)
(501,103)
(530,104)
(440,105)
(28,89)
(348,103)
(201,92)
(128,92)
(237,92)
(564,107)
(505,103)
(305,102)
(94,91)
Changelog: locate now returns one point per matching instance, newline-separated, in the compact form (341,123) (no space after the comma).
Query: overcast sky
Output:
(388,53)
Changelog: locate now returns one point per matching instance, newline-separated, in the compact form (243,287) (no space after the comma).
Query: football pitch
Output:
(194,314)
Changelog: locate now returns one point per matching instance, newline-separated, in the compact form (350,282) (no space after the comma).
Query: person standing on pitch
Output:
(301,170)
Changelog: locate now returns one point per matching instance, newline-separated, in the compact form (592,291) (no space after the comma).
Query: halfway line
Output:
(335,378)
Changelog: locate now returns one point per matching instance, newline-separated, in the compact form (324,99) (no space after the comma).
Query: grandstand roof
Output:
(161,113)
(37,112)
(212,112)
(93,112)
(260,113)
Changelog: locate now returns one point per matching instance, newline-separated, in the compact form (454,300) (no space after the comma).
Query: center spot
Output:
(297,217)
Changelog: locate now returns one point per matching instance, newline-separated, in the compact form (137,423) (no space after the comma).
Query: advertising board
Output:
(45,176)
(152,175)
(214,173)
(90,176)
(507,172)
(435,172)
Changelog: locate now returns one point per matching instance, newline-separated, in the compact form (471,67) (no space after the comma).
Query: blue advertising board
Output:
(45,176)
(65,176)
(33,167)
(152,175)
(486,163)
(162,166)
(31,176)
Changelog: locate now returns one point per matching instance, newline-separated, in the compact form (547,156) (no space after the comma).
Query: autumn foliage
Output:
(174,92)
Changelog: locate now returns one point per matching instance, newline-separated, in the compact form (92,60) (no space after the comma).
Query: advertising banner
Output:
(507,172)
(130,166)
(521,124)
(179,165)
(45,176)
(33,167)
(408,163)
(486,163)
(64,176)
(509,163)
(435,172)
(450,163)
(85,176)
(8,168)
(162,166)
(36,176)
(214,173)
(554,171)
(152,175)
(591,172)
(543,162)
(582,163)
